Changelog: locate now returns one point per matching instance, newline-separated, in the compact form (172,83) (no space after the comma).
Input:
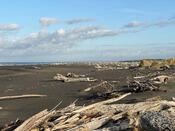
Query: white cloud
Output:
(145,24)
(9,27)
(161,24)
(78,20)
(45,43)
(134,24)
(45,22)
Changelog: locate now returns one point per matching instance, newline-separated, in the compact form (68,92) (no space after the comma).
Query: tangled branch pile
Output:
(104,90)
(148,115)
(150,82)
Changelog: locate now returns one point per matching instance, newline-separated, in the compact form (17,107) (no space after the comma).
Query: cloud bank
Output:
(9,27)
(63,43)
(46,43)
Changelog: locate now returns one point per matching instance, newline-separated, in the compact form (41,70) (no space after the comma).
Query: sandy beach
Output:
(38,79)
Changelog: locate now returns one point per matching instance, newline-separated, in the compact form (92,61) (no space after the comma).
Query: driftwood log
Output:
(63,78)
(21,96)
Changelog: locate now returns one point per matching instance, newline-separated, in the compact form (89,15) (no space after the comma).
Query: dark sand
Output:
(18,80)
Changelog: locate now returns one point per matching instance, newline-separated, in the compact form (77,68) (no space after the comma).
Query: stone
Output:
(156,121)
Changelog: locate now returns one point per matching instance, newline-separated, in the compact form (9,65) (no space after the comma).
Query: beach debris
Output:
(73,75)
(156,98)
(36,67)
(65,118)
(173,98)
(104,116)
(139,86)
(63,78)
(21,96)
(96,86)
(101,66)
(161,79)
(151,81)
(103,89)
(12,125)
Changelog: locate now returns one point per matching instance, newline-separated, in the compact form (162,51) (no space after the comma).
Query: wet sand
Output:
(19,80)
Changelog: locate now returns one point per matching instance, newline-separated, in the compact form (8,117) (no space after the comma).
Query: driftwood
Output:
(151,114)
(93,87)
(104,90)
(102,103)
(12,125)
(21,96)
(137,86)
(26,126)
(160,79)
(74,75)
(152,81)
(63,78)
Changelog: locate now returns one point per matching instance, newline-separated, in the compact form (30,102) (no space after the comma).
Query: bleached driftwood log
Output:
(102,103)
(160,79)
(63,78)
(26,125)
(73,75)
(93,87)
(21,96)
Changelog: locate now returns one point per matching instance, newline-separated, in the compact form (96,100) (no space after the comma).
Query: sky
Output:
(91,30)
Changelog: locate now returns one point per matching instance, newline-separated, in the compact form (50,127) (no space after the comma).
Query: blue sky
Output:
(92,30)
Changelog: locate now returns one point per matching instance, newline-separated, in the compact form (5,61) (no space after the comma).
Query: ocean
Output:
(23,63)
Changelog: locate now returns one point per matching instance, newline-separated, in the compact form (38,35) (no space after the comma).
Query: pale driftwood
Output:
(119,116)
(41,120)
(34,121)
(137,107)
(94,124)
(73,118)
(74,75)
(160,79)
(63,78)
(60,127)
(26,125)
(92,87)
(101,103)
(60,119)
(139,77)
(156,98)
(80,80)
(173,98)
(21,96)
